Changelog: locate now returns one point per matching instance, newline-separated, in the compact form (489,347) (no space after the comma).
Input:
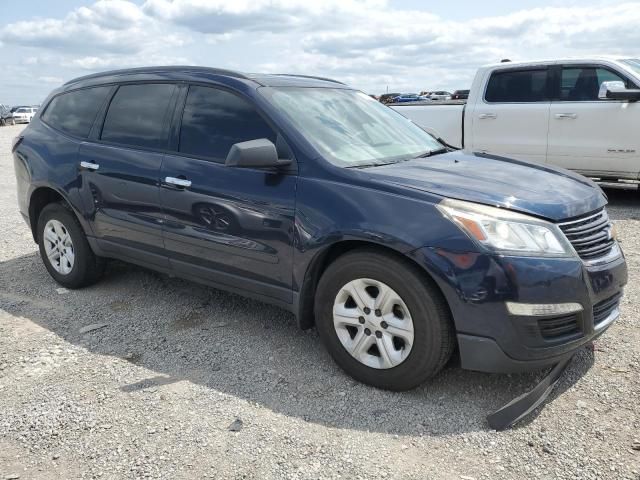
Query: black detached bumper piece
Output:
(521,406)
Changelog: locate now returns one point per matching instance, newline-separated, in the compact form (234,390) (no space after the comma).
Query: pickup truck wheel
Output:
(382,321)
(64,249)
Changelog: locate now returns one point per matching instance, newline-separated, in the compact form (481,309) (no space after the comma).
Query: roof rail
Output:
(309,76)
(159,69)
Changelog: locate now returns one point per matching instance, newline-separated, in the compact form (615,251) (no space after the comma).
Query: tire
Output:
(85,268)
(418,356)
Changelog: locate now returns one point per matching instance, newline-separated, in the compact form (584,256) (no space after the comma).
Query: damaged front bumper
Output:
(521,406)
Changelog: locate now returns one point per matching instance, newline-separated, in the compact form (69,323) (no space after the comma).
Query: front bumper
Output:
(490,339)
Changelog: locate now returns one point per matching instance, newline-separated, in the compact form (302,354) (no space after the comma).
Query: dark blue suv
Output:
(308,194)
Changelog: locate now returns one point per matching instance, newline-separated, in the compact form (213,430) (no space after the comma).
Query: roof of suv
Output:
(179,73)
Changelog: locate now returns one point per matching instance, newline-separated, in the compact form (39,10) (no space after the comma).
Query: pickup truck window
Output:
(517,86)
(633,63)
(581,84)
(349,128)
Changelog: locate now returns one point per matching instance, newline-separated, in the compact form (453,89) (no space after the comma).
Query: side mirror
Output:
(617,91)
(260,153)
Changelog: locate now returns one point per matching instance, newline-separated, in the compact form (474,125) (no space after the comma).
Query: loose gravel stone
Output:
(153,395)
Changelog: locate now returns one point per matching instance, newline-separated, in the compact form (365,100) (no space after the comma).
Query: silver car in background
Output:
(24,114)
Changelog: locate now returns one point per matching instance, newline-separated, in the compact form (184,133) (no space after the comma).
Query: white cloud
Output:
(112,26)
(369,43)
(223,16)
(49,79)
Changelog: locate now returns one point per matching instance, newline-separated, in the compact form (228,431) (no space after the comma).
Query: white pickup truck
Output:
(581,114)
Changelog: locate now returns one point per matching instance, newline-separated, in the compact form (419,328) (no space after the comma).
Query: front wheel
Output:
(64,248)
(382,320)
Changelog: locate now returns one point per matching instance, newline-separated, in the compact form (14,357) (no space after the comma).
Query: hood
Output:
(536,189)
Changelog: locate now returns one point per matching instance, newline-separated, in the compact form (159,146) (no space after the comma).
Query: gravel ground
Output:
(183,381)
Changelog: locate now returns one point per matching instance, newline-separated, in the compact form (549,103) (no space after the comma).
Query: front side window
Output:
(75,112)
(517,86)
(582,84)
(213,120)
(137,115)
(349,128)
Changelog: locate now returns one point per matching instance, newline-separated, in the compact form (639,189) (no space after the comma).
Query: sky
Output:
(373,45)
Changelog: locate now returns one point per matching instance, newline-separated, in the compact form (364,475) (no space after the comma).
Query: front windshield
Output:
(350,128)
(633,64)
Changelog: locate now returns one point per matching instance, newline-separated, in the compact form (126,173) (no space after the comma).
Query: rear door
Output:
(511,117)
(595,137)
(120,168)
(232,227)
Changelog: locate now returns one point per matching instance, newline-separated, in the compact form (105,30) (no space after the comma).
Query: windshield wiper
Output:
(367,165)
(429,153)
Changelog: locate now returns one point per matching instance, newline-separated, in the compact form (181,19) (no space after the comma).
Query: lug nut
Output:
(384,324)
(367,310)
(367,331)
(378,334)
(378,312)
(361,319)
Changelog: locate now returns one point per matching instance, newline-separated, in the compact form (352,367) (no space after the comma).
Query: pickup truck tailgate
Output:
(441,120)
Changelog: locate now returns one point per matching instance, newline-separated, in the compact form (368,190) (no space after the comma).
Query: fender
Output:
(40,194)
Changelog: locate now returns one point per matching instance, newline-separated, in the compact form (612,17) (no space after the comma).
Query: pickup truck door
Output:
(595,137)
(511,116)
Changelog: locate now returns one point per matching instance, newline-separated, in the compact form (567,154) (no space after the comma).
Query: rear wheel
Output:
(64,248)
(382,321)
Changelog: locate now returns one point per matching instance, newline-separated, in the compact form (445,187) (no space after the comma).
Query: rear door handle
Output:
(566,115)
(487,116)
(178,182)
(89,166)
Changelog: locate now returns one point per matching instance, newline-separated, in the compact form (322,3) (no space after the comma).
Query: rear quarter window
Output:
(75,112)
(517,86)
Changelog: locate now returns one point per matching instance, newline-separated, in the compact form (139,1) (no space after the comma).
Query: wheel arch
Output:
(329,254)
(40,198)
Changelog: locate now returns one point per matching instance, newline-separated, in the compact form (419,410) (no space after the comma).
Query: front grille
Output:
(555,327)
(590,235)
(601,310)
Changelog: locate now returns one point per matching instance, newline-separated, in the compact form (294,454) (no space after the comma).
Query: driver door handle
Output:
(178,182)
(89,166)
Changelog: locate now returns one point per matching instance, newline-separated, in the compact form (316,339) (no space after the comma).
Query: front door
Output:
(512,118)
(232,227)
(592,136)
(120,171)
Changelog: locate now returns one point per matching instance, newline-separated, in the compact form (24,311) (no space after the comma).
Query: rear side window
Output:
(213,120)
(583,83)
(74,112)
(517,86)
(137,115)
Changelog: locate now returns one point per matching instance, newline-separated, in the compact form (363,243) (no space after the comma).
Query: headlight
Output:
(507,232)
